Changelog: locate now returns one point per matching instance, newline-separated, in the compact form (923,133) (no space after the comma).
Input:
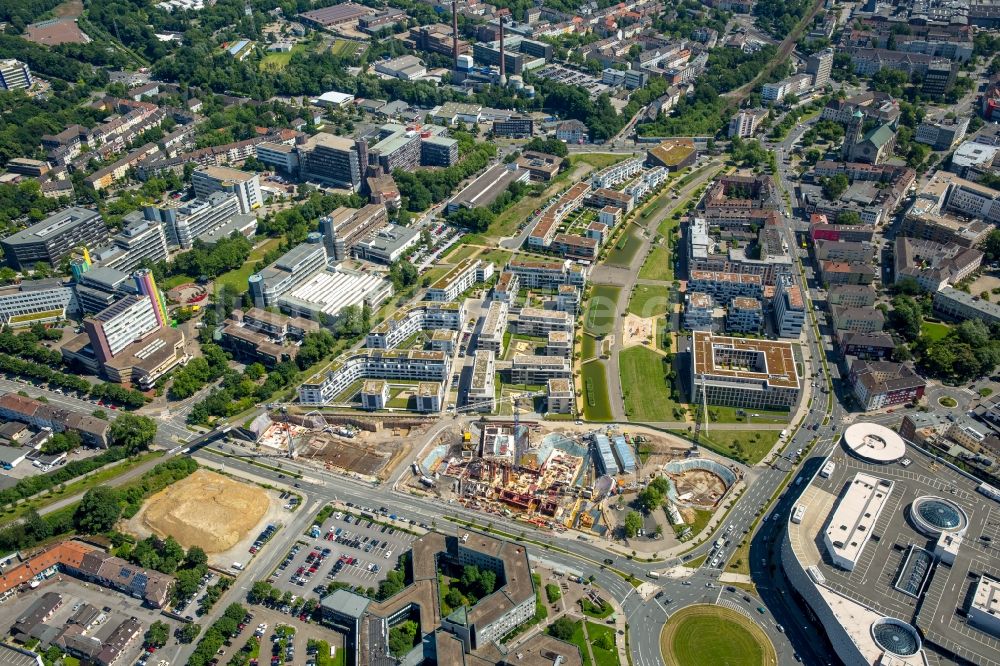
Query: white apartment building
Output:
(494,327)
(530,369)
(280,156)
(138,241)
(425,316)
(460,278)
(617,173)
(409,365)
(538,322)
(482,388)
(245,185)
(745,123)
(561,398)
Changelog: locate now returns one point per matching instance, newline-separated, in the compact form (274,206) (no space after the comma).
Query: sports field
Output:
(707,635)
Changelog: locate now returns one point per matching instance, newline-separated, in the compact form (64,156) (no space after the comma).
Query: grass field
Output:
(460,252)
(175,281)
(599,316)
(934,330)
(721,414)
(712,635)
(579,640)
(498,258)
(278,61)
(595,390)
(647,396)
(625,249)
(658,264)
(237,279)
(344,47)
(597,160)
(648,301)
(749,445)
(602,657)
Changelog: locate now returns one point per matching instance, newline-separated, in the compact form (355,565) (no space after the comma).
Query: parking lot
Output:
(114,608)
(272,628)
(345,548)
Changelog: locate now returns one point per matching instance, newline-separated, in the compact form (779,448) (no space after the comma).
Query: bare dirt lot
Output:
(705,488)
(205,509)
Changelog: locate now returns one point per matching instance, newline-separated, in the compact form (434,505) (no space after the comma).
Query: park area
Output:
(645,383)
(649,300)
(706,635)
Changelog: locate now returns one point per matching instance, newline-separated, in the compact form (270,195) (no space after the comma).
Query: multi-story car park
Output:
(755,374)
(891,551)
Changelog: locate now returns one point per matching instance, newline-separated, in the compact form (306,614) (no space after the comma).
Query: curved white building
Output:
(880,551)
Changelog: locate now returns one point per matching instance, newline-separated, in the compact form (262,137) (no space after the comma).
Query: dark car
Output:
(608,560)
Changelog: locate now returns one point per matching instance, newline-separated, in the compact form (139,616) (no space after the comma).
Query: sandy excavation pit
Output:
(704,487)
(205,509)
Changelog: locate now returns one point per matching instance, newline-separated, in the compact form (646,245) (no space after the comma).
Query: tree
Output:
(835,186)
(132,431)
(991,246)
(562,628)
(633,523)
(606,641)
(195,558)
(157,634)
(98,511)
(188,633)
(401,638)
(848,217)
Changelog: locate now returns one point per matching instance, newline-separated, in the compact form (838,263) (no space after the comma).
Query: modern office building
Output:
(246,186)
(331,160)
(789,309)
(37,302)
(397,148)
(14,74)
(439,151)
(289,270)
(345,228)
(118,326)
(280,156)
(54,237)
(486,188)
(388,244)
(324,294)
(743,373)
(140,240)
(195,219)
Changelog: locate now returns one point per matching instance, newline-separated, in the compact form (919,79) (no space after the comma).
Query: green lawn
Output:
(175,281)
(647,396)
(731,415)
(711,635)
(648,301)
(596,403)
(278,61)
(431,275)
(461,252)
(663,334)
(590,609)
(598,318)
(602,657)
(934,330)
(625,249)
(658,264)
(237,279)
(747,445)
(344,47)
(498,258)
(597,160)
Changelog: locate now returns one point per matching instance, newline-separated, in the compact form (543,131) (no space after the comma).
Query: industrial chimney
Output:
(503,74)
(454,31)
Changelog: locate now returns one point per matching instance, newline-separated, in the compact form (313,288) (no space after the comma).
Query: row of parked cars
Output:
(263,538)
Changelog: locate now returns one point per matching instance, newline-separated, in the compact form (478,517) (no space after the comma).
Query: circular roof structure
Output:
(874,443)
(896,636)
(934,516)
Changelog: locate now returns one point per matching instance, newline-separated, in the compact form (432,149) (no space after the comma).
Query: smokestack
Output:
(454,31)
(503,75)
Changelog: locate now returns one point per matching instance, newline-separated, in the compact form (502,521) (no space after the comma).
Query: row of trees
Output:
(221,630)
(422,189)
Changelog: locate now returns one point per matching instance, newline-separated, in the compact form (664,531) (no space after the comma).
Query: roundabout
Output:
(709,635)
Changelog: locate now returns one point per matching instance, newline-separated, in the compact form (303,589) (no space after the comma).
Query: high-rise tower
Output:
(146,284)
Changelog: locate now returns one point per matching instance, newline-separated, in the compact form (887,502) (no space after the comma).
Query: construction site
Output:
(547,477)
(366,447)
